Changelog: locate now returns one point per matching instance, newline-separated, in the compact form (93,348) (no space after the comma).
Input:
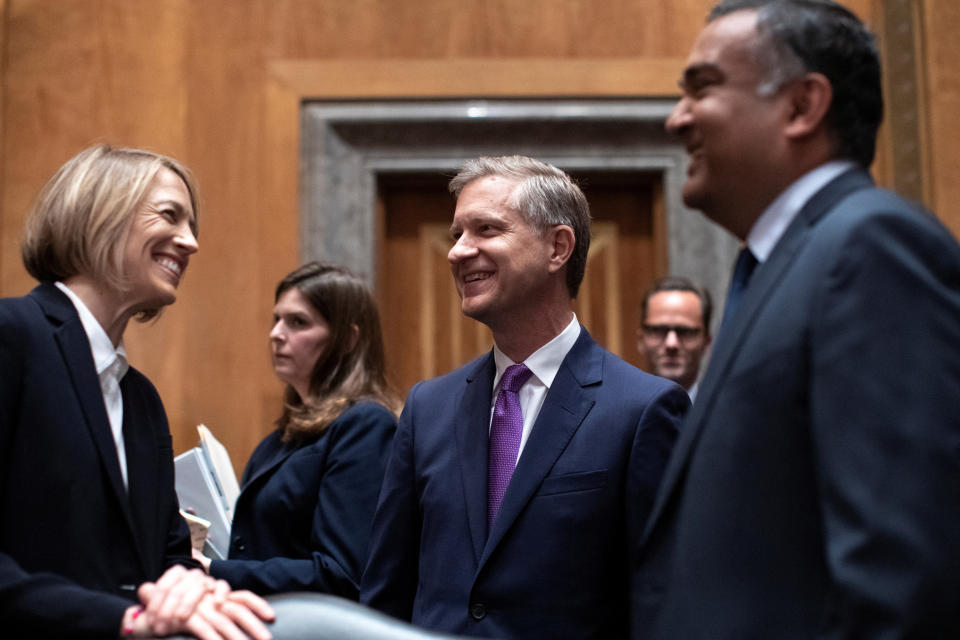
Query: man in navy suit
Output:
(550,556)
(815,487)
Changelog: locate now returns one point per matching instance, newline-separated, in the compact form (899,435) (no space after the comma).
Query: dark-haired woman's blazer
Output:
(74,544)
(304,515)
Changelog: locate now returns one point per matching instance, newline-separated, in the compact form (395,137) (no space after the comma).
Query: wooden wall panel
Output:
(492,28)
(940,24)
(204,80)
(240,258)
(3,126)
(74,76)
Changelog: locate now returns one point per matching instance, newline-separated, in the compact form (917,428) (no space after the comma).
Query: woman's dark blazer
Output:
(304,515)
(74,545)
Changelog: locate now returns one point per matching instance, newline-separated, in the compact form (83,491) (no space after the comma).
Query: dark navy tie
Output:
(746,263)
(506,428)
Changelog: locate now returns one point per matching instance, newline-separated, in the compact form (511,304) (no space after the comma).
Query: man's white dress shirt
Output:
(544,363)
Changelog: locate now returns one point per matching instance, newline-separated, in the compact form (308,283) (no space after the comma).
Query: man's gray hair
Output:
(545,196)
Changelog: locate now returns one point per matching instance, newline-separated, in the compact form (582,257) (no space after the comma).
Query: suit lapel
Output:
(472,431)
(75,349)
(143,465)
(730,343)
(567,403)
(276,459)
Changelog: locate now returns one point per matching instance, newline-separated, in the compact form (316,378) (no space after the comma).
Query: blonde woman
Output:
(91,541)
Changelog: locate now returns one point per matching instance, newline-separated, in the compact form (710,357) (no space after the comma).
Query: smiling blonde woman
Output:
(91,541)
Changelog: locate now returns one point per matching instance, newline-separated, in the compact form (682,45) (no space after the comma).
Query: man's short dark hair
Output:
(827,38)
(679,283)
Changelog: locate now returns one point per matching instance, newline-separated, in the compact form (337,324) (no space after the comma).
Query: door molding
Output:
(347,146)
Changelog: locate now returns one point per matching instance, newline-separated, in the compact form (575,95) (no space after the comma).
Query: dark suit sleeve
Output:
(41,604)
(655,435)
(342,518)
(653,442)
(46,605)
(177,539)
(390,578)
(885,416)
(163,532)
(177,549)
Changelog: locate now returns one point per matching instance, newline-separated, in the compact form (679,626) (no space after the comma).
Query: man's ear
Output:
(562,241)
(810,98)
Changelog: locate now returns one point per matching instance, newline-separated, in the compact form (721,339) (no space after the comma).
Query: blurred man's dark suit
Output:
(815,487)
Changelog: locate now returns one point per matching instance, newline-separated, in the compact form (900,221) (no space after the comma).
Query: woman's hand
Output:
(198,528)
(189,601)
(202,559)
(237,617)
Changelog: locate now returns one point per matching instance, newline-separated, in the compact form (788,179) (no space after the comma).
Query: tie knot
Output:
(514,376)
(742,271)
(746,263)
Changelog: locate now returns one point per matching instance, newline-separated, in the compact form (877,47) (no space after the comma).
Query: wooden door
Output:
(424,331)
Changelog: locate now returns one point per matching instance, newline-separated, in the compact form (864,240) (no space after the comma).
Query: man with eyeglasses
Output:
(674,331)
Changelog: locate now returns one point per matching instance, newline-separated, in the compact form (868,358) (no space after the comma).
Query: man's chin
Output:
(670,373)
(693,195)
(473,309)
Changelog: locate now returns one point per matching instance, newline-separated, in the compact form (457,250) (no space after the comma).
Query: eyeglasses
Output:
(659,332)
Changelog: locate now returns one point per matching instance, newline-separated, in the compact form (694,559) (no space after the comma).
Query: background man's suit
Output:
(72,543)
(815,487)
(556,562)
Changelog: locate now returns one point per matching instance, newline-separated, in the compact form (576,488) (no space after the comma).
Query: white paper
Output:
(197,490)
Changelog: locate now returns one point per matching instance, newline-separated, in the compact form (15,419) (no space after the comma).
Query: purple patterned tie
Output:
(505,431)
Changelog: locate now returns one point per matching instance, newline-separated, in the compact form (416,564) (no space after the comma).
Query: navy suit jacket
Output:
(302,520)
(556,563)
(815,487)
(73,545)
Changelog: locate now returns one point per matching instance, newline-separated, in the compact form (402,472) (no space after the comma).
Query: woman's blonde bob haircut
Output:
(80,221)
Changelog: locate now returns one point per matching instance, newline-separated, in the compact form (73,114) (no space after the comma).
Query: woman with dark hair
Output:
(91,541)
(304,514)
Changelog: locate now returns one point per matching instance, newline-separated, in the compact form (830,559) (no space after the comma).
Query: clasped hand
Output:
(189,601)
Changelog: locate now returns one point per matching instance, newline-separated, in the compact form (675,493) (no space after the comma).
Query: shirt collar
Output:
(773,222)
(102,348)
(545,362)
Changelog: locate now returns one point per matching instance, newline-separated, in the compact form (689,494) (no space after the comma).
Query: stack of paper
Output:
(207,486)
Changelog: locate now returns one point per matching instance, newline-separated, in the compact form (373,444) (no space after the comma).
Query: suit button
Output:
(239,543)
(478,611)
